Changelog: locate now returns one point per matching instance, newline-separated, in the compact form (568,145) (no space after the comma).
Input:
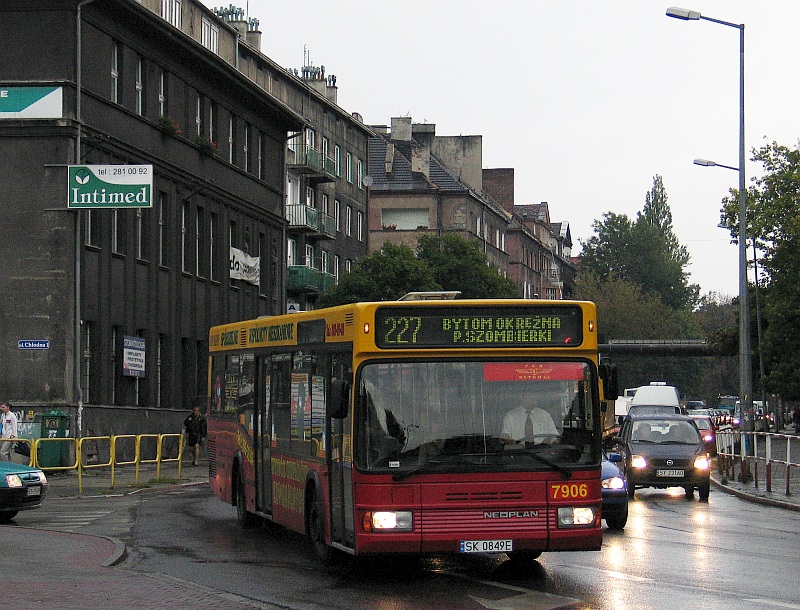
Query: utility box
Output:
(55,424)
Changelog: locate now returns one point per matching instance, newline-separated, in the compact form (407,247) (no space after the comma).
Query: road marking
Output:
(772,602)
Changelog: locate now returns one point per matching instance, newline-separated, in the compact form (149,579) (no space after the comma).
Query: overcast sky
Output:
(586,99)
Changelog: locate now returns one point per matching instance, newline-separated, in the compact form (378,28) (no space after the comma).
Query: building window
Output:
(360,173)
(212,122)
(323,266)
(162,214)
(291,252)
(325,204)
(212,229)
(88,328)
(209,35)
(260,160)
(246,147)
(336,267)
(325,147)
(117,231)
(360,226)
(232,237)
(199,232)
(310,199)
(337,215)
(311,139)
(231,139)
(115,68)
(337,160)
(309,256)
(348,221)
(141,234)
(140,86)
(185,237)
(90,226)
(171,11)
(350,168)
(162,93)
(347,264)
(198,115)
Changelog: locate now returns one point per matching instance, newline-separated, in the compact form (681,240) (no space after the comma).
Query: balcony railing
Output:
(308,279)
(311,220)
(310,161)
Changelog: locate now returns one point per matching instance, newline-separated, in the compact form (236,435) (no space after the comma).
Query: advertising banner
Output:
(110,186)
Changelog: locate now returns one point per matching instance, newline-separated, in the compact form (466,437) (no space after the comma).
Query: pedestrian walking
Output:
(196,431)
(8,430)
(796,419)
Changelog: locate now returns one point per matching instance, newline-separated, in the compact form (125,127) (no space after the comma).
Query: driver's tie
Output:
(528,426)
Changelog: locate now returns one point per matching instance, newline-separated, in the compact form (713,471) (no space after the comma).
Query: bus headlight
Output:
(570,516)
(638,461)
(387,521)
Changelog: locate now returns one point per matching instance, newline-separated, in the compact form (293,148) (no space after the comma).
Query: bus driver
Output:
(525,423)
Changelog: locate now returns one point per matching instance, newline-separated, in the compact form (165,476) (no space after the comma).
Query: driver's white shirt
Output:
(514,423)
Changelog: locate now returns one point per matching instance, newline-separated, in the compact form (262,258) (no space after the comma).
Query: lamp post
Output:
(745,374)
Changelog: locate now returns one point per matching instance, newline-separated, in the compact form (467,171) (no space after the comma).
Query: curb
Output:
(757,499)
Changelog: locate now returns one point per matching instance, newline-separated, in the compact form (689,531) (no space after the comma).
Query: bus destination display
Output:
(493,326)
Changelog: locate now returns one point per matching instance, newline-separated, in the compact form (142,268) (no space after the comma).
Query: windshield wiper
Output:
(426,466)
(566,473)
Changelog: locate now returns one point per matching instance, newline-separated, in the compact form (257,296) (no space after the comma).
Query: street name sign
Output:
(33,344)
(110,186)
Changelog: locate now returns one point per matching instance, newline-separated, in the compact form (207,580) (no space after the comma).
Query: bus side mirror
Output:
(339,404)
(608,375)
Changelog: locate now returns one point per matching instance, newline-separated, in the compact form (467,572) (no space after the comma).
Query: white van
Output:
(657,395)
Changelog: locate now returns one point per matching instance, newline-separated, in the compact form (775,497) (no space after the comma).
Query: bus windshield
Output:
(448,416)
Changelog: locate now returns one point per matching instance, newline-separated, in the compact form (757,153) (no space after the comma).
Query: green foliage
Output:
(382,276)
(773,221)
(440,263)
(458,264)
(645,251)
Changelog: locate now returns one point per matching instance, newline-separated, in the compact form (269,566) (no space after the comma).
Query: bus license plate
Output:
(669,473)
(34,491)
(486,546)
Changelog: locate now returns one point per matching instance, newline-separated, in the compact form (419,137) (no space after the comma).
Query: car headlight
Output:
(387,520)
(638,461)
(614,482)
(13,480)
(708,438)
(571,516)
(701,462)
(42,478)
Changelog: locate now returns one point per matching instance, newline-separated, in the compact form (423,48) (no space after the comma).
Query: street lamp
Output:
(745,374)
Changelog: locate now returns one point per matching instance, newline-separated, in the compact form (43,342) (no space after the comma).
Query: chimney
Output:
(401,129)
(499,185)
(253,38)
(389,159)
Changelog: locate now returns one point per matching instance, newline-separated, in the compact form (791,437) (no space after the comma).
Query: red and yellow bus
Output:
(384,427)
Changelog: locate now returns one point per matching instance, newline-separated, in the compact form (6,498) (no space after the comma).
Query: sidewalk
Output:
(748,491)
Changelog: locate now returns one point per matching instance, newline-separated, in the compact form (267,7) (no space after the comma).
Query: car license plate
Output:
(486,546)
(669,473)
(34,491)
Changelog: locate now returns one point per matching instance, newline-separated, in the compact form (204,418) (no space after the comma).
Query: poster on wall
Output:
(244,267)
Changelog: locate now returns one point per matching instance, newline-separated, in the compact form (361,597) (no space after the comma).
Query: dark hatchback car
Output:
(664,451)
(21,488)
(614,489)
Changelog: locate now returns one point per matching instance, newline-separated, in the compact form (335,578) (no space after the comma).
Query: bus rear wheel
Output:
(245,518)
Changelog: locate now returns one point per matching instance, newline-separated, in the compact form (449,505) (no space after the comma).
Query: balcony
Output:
(305,219)
(312,163)
(300,278)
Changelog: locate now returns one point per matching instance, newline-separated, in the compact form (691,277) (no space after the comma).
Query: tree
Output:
(645,251)
(382,276)
(773,221)
(625,311)
(458,264)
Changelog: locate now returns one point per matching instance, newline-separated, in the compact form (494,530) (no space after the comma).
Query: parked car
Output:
(21,488)
(708,431)
(614,489)
(664,451)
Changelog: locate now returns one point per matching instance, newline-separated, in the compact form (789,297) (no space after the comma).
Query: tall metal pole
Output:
(745,371)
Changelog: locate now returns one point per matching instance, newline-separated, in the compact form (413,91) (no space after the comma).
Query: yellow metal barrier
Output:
(112,463)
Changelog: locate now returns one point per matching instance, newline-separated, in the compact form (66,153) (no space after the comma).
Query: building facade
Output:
(122,297)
